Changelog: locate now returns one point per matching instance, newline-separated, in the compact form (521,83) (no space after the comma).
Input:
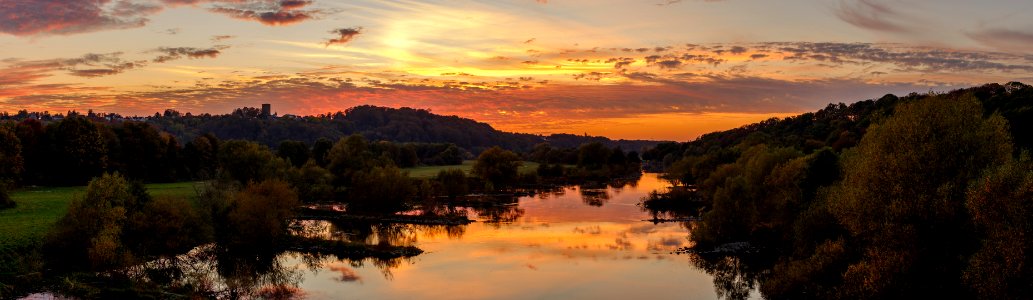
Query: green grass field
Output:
(38,209)
(431,171)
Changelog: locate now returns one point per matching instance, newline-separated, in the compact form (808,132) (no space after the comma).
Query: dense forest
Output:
(922,196)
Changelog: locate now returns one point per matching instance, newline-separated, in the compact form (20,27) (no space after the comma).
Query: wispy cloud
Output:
(1006,39)
(870,14)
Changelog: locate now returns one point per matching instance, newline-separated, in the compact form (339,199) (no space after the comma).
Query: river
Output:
(576,243)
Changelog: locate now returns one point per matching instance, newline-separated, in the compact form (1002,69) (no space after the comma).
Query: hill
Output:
(841,126)
(373,122)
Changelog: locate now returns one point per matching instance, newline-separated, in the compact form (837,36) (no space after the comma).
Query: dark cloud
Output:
(758,56)
(45,17)
(294,4)
(174,53)
(271,18)
(669,64)
(105,71)
(345,35)
(268,12)
(620,62)
(870,14)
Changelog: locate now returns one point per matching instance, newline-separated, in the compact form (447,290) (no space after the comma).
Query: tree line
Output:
(403,125)
(75,149)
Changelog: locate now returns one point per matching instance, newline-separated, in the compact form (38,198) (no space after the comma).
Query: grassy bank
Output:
(39,208)
(425,172)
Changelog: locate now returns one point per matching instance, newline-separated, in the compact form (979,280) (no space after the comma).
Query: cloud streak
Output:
(870,14)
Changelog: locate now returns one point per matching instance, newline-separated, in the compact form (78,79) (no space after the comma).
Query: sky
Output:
(637,69)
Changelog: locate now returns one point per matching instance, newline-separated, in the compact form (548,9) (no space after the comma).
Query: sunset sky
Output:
(650,69)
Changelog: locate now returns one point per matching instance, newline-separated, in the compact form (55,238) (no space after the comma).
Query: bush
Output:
(453,182)
(380,190)
(497,166)
(257,217)
(115,224)
(314,183)
(166,226)
(89,235)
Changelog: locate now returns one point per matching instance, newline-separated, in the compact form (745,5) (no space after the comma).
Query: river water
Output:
(574,243)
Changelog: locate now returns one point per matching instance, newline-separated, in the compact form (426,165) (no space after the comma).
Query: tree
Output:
(593,156)
(11,162)
(450,156)
(314,184)
(380,190)
(201,156)
(902,197)
(320,150)
(296,152)
(497,166)
(89,235)
(407,157)
(1001,205)
(258,216)
(143,152)
(454,182)
(80,150)
(348,156)
(34,150)
(245,162)
(165,226)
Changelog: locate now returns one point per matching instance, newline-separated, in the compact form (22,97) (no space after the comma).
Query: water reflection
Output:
(586,241)
(735,277)
(372,233)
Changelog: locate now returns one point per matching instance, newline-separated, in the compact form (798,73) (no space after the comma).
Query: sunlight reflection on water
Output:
(578,242)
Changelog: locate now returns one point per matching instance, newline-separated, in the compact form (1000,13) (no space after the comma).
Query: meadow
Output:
(39,208)
(425,172)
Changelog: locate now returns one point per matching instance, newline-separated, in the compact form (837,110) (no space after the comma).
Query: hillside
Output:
(841,126)
(373,122)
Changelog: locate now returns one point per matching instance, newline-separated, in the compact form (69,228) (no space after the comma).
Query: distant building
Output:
(267,110)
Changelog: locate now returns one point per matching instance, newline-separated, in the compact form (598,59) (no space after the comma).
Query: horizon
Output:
(660,70)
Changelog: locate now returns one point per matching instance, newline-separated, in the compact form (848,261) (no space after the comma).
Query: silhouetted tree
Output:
(79,150)
(246,162)
(11,162)
(296,152)
(498,167)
